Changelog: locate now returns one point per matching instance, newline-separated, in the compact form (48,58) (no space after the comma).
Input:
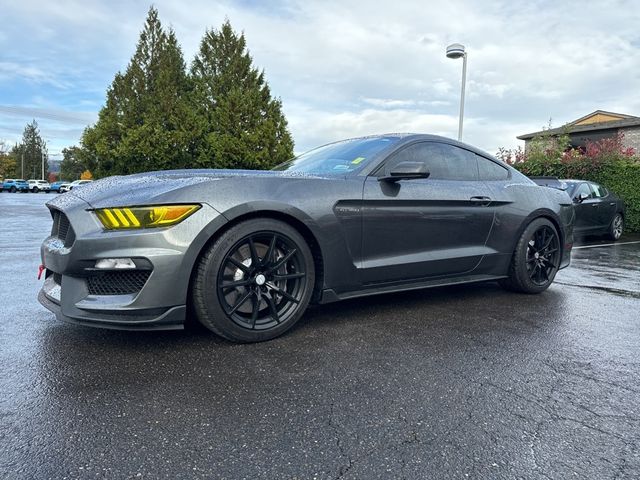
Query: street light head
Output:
(455,50)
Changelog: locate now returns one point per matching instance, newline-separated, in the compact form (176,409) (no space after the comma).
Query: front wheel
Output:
(255,282)
(13,189)
(616,228)
(536,259)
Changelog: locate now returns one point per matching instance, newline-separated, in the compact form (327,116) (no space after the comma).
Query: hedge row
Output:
(622,177)
(624,181)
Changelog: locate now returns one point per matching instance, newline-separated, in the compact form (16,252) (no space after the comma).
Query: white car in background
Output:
(36,186)
(66,187)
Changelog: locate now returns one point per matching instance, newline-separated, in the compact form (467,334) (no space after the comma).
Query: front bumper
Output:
(75,291)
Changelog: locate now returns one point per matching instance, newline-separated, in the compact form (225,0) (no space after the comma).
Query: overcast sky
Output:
(342,68)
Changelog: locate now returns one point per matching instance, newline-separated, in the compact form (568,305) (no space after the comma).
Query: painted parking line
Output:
(606,245)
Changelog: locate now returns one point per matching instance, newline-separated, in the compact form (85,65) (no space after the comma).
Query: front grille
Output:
(62,229)
(117,283)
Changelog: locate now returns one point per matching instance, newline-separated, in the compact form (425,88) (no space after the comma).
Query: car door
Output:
(607,206)
(421,228)
(587,214)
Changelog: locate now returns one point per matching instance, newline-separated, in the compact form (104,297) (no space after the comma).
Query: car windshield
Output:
(340,157)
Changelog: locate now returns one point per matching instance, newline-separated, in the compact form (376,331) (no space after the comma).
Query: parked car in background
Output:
(64,187)
(55,186)
(598,211)
(36,186)
(67,187)
(15,185)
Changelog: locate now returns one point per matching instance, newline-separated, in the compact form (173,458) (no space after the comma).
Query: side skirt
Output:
(329,295)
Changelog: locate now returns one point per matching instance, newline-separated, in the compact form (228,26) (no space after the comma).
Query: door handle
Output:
(479,200)
(594,205)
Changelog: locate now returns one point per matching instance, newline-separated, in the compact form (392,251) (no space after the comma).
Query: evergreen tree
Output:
(32,150)
(145,123)
(239,125)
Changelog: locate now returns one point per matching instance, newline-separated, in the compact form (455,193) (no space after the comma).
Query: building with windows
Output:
(594,127)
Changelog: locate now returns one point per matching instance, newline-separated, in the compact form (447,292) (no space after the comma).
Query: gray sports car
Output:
(247,251)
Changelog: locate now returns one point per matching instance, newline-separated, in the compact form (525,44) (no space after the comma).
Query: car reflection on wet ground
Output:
(468,381)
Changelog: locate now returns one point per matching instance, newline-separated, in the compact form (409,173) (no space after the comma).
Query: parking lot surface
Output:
(464,382)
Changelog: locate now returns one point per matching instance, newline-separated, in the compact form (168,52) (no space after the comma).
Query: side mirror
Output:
(581,198)
(406,171)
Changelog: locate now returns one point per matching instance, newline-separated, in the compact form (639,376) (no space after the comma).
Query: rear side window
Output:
(444,162)
(488,170)
(599,190)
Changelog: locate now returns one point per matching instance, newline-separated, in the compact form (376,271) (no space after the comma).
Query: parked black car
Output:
(598,211)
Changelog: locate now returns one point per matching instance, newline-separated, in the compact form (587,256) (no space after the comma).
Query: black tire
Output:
(616,228)
(36,189)
(269,273)
(13,189)
(536,258)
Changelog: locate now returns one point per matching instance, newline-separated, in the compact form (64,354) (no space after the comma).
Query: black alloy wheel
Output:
(254,282)
(262,280)
(543,255)
(536,258)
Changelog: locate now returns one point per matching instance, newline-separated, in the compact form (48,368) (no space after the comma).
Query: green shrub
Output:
(623,179)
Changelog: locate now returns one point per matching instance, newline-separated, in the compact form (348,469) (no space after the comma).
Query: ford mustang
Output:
(245,252)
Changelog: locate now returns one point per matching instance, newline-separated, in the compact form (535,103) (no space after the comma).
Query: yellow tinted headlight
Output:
(121,218)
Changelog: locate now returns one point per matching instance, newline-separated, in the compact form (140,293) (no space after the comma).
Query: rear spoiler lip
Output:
(550,182)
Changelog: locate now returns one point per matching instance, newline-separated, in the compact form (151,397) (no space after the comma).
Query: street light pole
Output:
(456,50)
(42,177)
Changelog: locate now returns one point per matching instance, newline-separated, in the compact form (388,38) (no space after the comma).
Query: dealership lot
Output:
(464,382)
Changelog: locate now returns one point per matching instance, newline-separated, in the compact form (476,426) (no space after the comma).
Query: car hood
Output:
(146,188)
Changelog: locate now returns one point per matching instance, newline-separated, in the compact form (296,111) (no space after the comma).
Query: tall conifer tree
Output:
(32,150)
(239,124)
(145,122)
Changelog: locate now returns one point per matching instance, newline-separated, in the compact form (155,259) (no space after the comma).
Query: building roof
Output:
(598,120)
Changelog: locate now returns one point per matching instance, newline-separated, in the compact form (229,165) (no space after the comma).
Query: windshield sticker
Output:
(356,161)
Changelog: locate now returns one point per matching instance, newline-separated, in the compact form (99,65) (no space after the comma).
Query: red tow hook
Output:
(41,269)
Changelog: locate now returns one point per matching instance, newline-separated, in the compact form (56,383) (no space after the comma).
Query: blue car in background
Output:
(55,186)
(13,185)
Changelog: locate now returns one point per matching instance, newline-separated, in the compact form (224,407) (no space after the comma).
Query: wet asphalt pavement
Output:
(464,382)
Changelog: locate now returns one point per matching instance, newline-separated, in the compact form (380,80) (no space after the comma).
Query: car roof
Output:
(573,180)
(411,137)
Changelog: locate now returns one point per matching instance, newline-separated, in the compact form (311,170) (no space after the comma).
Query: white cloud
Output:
(350,67)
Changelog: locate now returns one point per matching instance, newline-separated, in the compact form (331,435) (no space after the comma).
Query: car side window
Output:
(488,170)
(444,162)
(599,190)
(583,189)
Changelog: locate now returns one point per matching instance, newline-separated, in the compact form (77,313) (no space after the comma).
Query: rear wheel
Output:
(13,189)
(616,228)
(255,282)
(36,189)
(536,258)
